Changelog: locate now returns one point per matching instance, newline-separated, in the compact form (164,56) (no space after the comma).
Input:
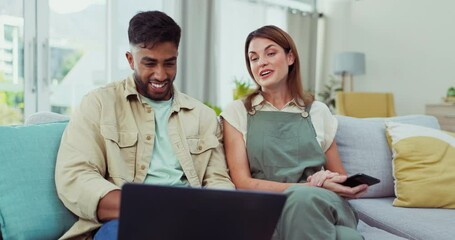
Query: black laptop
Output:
(170,213)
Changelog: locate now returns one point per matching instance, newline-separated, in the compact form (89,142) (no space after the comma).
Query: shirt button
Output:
(142,167)
(148,137)
(200,147)
(149,110)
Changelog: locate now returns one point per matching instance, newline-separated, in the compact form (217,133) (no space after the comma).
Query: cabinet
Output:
(445,113)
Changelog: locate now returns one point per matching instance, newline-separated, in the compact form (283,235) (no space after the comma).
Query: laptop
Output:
(171,213)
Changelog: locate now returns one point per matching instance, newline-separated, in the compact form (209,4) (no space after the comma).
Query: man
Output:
(140,129)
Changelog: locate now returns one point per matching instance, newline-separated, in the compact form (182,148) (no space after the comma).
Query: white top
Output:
(325,124)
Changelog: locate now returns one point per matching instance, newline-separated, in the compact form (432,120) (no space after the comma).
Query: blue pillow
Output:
(29,205)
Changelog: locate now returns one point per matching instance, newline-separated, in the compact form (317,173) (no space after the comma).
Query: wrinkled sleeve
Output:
(324,123)
(235,114)
(216,175)
(81,166)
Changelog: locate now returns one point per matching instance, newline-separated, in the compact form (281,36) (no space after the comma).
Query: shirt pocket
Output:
(199,145)
(121,147)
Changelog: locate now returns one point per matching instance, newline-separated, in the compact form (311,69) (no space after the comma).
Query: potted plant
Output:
(214,107)
(450,94)
(242,88)
(328,94)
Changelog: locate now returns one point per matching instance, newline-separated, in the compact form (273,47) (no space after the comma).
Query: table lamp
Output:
(348,64)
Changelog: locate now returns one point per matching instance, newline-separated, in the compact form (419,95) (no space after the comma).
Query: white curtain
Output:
(303,28)
(197,53)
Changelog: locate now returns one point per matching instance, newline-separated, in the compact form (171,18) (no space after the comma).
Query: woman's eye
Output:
(253,59)
(271,54)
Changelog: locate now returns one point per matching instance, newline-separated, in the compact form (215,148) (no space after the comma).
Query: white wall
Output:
(232,35)
(409,46)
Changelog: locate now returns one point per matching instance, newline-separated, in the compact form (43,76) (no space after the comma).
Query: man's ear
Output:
(291,58)
(130,58)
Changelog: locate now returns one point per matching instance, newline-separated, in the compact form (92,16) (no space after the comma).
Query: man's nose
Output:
(160,73)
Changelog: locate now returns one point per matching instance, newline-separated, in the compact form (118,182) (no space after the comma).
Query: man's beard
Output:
(143,87)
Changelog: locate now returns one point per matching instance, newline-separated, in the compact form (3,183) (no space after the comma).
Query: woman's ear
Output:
(290,58)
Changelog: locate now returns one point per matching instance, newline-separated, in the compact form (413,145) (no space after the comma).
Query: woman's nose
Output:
(263,62)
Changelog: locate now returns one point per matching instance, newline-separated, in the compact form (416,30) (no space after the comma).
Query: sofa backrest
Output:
(363,148)
(45,117)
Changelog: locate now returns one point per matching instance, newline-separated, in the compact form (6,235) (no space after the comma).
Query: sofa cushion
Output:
(29,205)
(363,148)
(423,166)
(409,223)
(374,233)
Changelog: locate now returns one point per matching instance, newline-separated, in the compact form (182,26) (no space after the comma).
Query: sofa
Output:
(30,208)
(364,148)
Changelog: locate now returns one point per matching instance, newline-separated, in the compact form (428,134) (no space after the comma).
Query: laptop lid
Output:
(165,212)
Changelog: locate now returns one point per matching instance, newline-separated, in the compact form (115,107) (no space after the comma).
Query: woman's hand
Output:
(334,184)
(318,178)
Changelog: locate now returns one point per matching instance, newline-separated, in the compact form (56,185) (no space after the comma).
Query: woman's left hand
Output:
(318,178)
(334,184)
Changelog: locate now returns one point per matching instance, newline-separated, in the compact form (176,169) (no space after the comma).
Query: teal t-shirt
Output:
(164,168)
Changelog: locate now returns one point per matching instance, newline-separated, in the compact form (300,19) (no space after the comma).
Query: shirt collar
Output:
(179,102)
(259,100)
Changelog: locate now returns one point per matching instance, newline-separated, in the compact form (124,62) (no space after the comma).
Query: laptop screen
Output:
(165,212)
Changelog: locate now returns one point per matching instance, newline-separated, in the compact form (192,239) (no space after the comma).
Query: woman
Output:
(279,139)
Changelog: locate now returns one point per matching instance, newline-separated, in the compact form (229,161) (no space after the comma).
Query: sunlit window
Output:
(11,62)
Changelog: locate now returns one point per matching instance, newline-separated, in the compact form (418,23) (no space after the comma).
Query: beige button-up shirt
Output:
(109,141)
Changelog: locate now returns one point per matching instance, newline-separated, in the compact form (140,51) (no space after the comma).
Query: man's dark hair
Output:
(151,27)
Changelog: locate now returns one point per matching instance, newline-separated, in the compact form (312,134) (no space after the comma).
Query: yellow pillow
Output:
(423,166)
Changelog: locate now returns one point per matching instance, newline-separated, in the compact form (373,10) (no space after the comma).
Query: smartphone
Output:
(360,178)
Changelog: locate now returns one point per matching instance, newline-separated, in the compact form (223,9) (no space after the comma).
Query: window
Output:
(11,62)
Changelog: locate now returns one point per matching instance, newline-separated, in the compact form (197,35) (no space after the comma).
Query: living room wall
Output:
(409,47)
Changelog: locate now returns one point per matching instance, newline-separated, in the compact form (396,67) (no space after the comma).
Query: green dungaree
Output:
(282,147)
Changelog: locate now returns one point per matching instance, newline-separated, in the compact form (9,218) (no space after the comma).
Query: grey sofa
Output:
(363,148)
(361,142)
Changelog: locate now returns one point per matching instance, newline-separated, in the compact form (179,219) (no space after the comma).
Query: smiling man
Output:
(142,130)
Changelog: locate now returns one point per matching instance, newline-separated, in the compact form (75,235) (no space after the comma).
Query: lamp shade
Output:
(349,62)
